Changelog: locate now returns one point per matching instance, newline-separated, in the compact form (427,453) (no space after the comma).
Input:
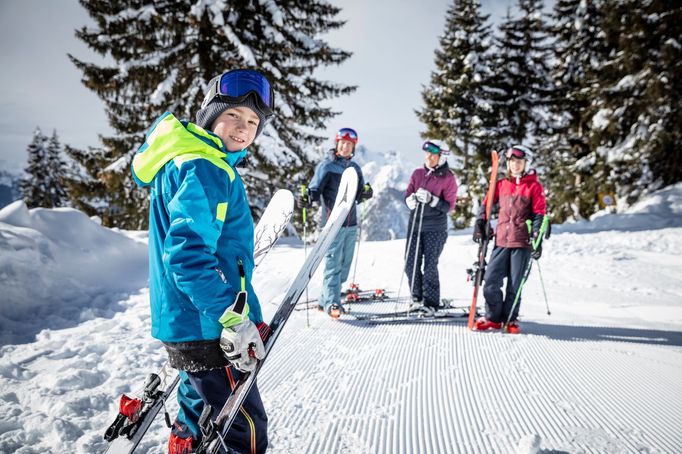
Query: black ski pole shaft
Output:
(416,251)
(407,250)
(542,282)
(358,240)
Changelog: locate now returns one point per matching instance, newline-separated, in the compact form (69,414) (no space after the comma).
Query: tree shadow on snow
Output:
(602,333)
(557,332)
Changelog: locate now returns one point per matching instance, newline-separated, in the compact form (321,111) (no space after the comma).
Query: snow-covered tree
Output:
(456,107)
(56,167)
(32,185)
(574,172)
(87,192)
(165,52)
(638,104)
(43,185)
(523,84)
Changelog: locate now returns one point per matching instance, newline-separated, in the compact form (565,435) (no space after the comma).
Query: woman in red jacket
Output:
(520,197)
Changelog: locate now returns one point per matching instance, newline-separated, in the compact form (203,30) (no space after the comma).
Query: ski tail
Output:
(214,431)
(483,249)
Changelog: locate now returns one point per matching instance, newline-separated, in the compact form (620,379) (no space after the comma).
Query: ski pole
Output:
(407,250)
(304,214)
(357,255)
(416,259)
(543,289)
(534,244)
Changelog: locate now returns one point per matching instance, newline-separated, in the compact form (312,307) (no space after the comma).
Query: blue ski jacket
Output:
(200,230)
(325,185)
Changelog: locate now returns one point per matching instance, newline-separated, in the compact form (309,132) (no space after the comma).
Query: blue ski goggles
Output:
(347,134)
(433,148)
(236,85)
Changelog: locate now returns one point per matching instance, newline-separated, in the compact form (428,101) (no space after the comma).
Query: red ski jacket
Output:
(519,199)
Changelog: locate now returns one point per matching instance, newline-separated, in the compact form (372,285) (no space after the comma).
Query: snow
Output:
(600,374)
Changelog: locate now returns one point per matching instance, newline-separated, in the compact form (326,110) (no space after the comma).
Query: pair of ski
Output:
(361,296)
(445,311)
(125,437)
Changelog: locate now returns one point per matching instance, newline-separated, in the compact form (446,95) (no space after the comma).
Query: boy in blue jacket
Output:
(203,307)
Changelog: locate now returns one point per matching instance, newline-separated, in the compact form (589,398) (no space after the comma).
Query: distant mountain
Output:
(384,216)
(9,185)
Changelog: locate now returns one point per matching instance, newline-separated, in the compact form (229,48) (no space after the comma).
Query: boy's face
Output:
(237,127)
(344,148)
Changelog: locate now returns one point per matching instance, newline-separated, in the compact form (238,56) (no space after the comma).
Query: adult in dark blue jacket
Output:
(323,187)
(201,254)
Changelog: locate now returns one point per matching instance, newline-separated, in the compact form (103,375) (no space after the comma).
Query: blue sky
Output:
(393,44)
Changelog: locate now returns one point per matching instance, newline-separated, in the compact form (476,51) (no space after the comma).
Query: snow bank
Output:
(59,268)
(661,209)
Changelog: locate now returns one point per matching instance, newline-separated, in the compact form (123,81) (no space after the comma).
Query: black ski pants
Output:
(509,263)
(425,284)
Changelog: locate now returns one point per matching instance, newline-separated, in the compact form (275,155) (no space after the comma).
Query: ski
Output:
(136,414)
(416,316)
(416,313)
(214,432)
(479,266)
(360,296)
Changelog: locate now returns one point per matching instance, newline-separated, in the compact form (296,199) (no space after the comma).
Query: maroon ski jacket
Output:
(519,199)
(441,183)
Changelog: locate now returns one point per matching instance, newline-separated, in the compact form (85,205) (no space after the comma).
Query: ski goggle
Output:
(236,85)
(517,151)
(347,134)
(433,148)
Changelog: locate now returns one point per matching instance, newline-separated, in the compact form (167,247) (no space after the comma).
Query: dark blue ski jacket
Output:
(326,181)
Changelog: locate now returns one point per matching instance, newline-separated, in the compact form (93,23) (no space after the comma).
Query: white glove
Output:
(411,201)
(242,345)
(423,196)
(434,201)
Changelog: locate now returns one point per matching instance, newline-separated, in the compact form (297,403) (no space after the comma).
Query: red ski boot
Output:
(483,324)
(514,327)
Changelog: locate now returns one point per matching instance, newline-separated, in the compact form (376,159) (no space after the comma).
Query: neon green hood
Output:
(171,139)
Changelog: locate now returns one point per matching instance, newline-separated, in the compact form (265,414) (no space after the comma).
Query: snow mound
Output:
(659,210)
(60,257)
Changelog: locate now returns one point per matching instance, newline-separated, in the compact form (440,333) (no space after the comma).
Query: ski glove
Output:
(411,201)
(242,345)
(366,193)
(424,196)
(303,201)
(480,233)
(240,339)
(537,252)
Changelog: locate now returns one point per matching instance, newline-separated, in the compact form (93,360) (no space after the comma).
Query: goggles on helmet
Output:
(236,85)
(347,134)
(434,148)
(517,151)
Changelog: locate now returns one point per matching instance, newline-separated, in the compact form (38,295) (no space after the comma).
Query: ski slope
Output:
(600,374)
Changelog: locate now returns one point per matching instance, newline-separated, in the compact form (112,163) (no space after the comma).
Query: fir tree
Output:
(574,172)
(165,52)
(522,86)
(456,107)
(56,168)
(35,183)
(637,110)
(87,192)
